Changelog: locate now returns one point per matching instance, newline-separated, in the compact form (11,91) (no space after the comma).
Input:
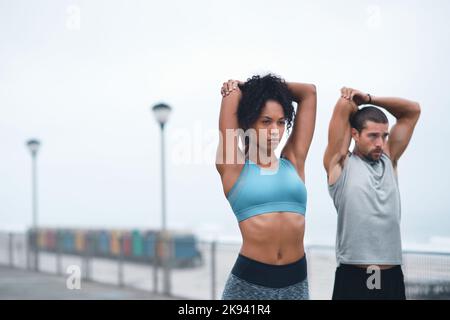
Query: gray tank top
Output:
(367,200)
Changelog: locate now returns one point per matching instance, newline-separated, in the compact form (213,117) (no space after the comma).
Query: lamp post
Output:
(161,112)
(33,145)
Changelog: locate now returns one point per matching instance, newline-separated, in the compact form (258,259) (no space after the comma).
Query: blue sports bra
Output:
(259,190)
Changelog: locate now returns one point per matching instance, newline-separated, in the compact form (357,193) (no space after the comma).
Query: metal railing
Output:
(427,274)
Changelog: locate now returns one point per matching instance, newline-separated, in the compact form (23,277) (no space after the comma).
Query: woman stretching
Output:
(267,194)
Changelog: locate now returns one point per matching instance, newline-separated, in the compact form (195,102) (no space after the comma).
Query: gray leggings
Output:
(238,289)
(251,279)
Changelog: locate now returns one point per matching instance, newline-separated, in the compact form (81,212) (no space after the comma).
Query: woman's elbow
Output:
(415,109)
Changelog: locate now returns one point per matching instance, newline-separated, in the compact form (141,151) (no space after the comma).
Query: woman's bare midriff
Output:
(273,238)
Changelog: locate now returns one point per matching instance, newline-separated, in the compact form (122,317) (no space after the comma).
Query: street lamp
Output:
(162,112)
(33,145)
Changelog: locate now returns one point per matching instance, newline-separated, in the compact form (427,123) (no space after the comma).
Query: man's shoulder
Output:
(387,158)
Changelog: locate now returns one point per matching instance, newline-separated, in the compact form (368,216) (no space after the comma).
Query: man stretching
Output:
(364,187)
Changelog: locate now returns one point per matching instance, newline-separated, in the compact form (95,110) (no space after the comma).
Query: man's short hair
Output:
(360,117)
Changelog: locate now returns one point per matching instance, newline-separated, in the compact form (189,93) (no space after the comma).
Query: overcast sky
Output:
(82,75)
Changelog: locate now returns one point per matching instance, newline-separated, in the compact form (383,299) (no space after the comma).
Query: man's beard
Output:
(370,156)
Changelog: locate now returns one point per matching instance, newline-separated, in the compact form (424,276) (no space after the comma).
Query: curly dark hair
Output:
(256,91)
